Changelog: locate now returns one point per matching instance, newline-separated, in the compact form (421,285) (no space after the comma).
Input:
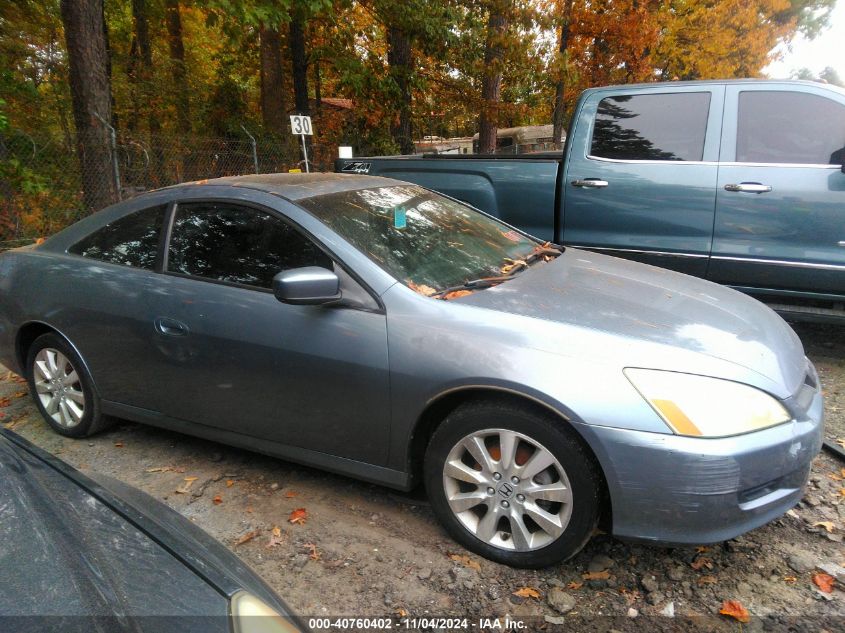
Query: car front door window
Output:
(239,245)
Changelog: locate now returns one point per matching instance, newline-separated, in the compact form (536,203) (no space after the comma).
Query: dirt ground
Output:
(364,550)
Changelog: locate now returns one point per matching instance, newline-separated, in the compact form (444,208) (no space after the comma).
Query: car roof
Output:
(295,187)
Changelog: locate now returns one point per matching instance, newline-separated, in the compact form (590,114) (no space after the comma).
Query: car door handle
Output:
(590,183)
(749,187)
(170,327)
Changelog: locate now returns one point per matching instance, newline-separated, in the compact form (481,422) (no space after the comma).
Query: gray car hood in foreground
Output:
(641,303)
(67,556)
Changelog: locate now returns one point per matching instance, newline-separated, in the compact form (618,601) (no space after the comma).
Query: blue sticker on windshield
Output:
(399,219)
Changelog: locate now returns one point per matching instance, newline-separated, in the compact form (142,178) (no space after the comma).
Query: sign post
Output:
(301,125)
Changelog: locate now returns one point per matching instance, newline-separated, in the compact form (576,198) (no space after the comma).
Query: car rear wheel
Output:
(62,388)
(512,485)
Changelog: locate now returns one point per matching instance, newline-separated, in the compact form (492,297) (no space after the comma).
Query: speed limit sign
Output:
(300,124)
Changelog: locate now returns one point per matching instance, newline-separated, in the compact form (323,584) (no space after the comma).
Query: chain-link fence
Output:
(41,184)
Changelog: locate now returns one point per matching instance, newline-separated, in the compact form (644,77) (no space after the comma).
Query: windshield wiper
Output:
(473,284)
(508,271)
(540,252)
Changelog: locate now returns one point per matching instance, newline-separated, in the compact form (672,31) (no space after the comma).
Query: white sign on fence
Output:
(301,125)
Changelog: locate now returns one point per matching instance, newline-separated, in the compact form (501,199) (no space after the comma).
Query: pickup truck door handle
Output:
(749,187)
(590,183)
(170,327)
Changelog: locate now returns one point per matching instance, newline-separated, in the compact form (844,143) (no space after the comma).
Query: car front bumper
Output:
(675,490)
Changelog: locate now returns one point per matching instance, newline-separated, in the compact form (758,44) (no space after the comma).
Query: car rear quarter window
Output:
(235,244)
(131,241)
(789,127)
(651,127)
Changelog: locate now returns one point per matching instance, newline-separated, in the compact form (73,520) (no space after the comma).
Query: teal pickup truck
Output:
(740,182)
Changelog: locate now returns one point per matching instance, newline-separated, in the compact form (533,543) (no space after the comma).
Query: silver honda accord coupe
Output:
(380,330)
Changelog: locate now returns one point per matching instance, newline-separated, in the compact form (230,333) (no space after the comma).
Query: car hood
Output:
(644,303)
(67,555)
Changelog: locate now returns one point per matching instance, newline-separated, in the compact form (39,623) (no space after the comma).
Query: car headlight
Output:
(701,406)
(252,615)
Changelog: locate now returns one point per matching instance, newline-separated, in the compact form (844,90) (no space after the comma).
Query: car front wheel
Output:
(62,388)
(511,484)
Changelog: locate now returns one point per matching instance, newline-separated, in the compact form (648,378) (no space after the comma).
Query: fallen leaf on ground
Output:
(230,483)
(527,592)
(17,378)
(249,509)
(118,444)
(734,609)
(218,499)
(19,394)
(466,561)
(298,516)
(701,562)
(313,554)
(793,514)
(290,494)
(5,402)
(702,548)
(824,582)
(276,537)
(401,613)
(707,580)
(575,585)
(827,525)
(596,575)
(246,538)
(789,579)
(189,481)
(160,469)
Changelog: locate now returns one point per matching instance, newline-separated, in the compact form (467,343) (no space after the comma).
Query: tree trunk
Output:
(178,72)
(399,62)
(318,87)
(273,109)
(559,113)
(491,83)
(299,57)
(90,88)
(147,91)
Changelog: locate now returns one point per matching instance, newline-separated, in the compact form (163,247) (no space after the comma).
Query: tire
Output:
(543,516)
(67,402)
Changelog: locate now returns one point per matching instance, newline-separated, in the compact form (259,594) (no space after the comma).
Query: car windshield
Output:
(423,239)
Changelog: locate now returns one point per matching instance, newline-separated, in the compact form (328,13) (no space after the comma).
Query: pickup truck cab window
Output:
(234,244)
(669,126)
(789,128)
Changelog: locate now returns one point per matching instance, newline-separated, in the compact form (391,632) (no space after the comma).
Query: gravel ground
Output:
(366,551)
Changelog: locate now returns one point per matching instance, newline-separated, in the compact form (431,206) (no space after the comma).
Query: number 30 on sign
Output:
(301,124)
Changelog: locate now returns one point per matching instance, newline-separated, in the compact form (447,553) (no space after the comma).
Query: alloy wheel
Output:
(507,489)
(58,387)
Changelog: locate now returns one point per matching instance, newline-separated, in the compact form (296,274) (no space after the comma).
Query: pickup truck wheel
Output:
(62,389)
(511,485)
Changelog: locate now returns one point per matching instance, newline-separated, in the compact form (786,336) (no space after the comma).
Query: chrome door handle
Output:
(590,183)
(170,327)
(749,187)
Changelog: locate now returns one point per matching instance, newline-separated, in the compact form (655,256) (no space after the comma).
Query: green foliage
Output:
(347,42)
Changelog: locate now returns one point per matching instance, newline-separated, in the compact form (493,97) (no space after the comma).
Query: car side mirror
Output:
(310,285)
